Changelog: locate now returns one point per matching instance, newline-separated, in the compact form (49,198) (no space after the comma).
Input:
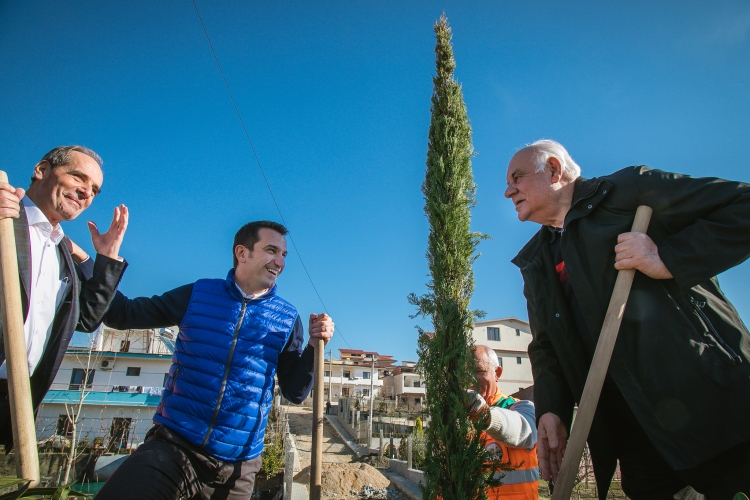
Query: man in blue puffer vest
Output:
(235,335)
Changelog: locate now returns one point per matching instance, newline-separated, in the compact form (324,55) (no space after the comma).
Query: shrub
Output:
(273,456)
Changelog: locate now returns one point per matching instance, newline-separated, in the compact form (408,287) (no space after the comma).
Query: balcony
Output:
(134,389)
(414,390)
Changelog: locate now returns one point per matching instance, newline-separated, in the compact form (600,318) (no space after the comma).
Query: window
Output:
(325,392)
(345,391)
(417,383)
(77,378)
(417,401)
(518,332)
(133,371)
(326,373)
(64,426)
(500,361)
(365,392)
(366,375)
(493,333)
(347,374)
(124,346)
(518,361)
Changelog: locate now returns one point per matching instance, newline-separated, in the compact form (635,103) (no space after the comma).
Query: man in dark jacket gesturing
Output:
(681,345)
(58,296)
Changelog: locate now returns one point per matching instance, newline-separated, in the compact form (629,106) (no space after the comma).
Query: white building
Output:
(509,338)
(353,375)
(120,381)
(405,386)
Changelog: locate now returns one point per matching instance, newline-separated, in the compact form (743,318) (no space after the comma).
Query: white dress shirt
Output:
(251,296)
(47,289)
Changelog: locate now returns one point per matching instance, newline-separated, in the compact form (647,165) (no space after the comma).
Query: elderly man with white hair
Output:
(674,407)
(509,429)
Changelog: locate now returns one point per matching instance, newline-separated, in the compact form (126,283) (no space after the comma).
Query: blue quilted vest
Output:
(220,386)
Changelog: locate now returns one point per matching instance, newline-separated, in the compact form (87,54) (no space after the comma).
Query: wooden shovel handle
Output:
(316,464)
(598,371)
(16,360)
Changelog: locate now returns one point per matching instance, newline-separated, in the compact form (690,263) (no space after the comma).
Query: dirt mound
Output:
(342,479)
(376,461)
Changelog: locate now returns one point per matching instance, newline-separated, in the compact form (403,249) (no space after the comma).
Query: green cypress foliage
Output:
(456,465)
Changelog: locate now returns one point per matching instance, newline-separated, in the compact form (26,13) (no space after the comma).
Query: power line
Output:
(260,167)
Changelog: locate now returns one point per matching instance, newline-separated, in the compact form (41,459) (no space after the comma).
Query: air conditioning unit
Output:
(107,363)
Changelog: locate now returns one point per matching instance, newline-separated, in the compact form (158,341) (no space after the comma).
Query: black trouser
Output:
(167,467)
(647,476)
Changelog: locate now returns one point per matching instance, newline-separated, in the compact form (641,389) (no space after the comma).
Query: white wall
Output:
(97,419)
(152,370)
(515,336)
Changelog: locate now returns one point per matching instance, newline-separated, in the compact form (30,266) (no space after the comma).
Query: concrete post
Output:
(369,431)
(381,442)
(391,453)
(330,373)
(372,401)
(408,453)
(289,456)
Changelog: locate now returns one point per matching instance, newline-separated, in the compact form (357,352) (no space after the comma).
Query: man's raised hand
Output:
(320,327)
(638,251)
(551,444)
(10,201)
(108,244)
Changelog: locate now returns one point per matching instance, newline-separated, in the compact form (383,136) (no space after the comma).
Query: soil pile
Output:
(343,479)
(376,461)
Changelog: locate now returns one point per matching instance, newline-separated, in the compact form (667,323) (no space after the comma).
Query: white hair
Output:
(544,149)
(490,355)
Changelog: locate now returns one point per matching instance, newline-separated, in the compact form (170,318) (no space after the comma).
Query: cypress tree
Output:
(457,464)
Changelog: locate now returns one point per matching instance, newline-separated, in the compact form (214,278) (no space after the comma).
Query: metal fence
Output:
(108,434)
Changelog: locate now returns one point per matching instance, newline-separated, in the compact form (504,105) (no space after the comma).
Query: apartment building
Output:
(352,375)
(405,385)
(509,338)
(117,379)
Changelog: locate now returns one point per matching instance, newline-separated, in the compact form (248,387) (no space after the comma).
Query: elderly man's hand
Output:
(108,244)
(320,327)
(551,444)
(638,251)
(10,201)
(477,408)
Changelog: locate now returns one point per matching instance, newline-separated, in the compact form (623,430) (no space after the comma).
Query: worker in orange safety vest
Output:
(509,428)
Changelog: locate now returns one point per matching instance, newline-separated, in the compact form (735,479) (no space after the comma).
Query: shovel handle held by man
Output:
(316,465)
(598,371)
(16,359)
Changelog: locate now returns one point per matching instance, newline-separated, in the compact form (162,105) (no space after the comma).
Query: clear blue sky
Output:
(335,96)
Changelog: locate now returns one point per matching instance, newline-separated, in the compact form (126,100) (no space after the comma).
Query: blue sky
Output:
(335,97)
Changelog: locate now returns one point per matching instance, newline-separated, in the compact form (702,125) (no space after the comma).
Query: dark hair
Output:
(61,156)
(247,236)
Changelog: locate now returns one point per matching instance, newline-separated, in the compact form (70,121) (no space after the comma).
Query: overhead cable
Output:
(260,167)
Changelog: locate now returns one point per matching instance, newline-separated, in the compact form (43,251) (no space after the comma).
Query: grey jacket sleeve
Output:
(515,427)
